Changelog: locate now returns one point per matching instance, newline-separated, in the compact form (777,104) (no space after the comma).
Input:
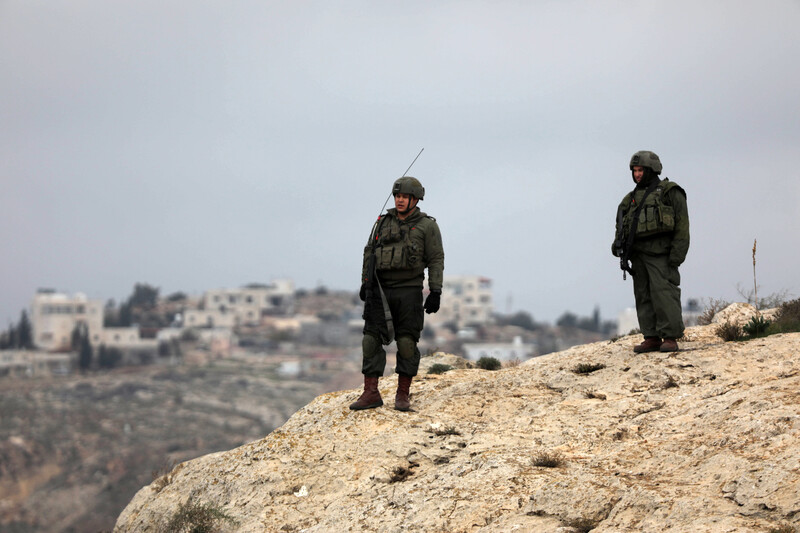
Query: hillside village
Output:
(69,332)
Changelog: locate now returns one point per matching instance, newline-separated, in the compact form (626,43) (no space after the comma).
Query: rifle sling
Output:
(387,313)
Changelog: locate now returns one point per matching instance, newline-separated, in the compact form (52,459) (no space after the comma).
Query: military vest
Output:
(655,217)
(400,245)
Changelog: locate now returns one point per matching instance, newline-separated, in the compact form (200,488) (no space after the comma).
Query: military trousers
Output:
(656,287)
(405,304)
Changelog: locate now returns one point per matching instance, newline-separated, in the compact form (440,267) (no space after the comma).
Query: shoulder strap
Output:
(668,185)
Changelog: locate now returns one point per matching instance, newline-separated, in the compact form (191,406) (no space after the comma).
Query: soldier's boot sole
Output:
(358,405)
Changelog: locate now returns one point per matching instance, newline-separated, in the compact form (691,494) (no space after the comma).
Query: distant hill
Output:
(592,438)
(75,449)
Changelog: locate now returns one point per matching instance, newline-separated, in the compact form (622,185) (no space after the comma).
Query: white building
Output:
(627,321)
(55,316)
(502,351)
(122,338)
(209,318)
(242,307)
(465,300)
(26,363)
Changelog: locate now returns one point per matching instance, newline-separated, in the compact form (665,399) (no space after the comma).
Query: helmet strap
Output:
(410,205)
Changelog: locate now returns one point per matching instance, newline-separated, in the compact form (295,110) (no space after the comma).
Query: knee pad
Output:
(406,347)
(370,346)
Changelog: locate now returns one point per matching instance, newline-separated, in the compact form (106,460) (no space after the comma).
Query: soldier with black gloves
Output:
(403,243)
(652,240)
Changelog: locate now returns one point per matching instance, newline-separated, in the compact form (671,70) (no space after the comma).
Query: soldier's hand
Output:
(362,293)
(433,301)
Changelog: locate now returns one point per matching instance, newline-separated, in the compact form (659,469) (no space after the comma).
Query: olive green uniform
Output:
(659,248)
(403,250)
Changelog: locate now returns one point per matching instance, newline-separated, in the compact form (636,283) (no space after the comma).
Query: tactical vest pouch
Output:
(390,233)
(400,247)
(392,257)
(667,217)
(655,218)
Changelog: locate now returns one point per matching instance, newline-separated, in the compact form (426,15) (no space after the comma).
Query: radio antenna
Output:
(404,174)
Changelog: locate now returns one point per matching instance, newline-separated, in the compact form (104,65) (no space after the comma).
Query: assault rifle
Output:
(621,249)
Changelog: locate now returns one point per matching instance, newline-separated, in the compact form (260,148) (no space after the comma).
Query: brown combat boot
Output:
(401,399)
(650,344)
(669,345)
(370,398)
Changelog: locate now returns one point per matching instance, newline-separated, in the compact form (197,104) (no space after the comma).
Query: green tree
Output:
(125,316)
(176,297)
(24,332)
(76,337)
(11,337)
(567,320)
(5,342)
(86,354)
(521,319)
(144,296)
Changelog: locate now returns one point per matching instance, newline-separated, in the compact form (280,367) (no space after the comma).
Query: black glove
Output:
(362,293)
(433,301)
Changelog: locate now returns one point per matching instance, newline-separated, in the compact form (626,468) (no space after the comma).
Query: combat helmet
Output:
(647,159)
(408,185)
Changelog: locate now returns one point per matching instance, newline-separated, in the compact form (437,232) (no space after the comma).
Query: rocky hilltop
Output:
(591,438)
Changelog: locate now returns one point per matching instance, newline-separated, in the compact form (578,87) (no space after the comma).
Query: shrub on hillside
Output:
(787,319)
(439,368)
(489,363)
(729,331)
(588,368)
(192,517)
(756,327)
(547,459)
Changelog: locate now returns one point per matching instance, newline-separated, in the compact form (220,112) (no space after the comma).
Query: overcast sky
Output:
(198,144)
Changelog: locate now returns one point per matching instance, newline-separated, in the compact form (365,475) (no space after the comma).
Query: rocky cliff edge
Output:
(702,440)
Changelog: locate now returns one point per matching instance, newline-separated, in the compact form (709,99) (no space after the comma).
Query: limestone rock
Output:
(701,440)
(442,358)
(741,313)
